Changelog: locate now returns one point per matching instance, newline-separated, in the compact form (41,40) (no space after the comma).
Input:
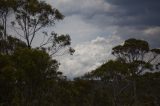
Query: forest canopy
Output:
(30,76)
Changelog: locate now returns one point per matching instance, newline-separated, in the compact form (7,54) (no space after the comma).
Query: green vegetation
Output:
(126,78)
(30,77)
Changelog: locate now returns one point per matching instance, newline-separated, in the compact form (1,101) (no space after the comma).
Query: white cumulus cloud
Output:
(88,56)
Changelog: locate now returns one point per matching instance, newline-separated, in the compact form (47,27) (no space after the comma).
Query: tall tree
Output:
(32,16)
(139,56)
(6,6)
(114,76)
(10,44)
(133,58)
(36,74)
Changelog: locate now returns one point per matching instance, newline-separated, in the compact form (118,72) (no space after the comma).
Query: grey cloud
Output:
(150,34)
(85,20)
(153,35)
(128,18)
(116,12)
(137,12)
(84,7)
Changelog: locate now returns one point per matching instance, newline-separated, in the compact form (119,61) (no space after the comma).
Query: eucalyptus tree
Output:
(57,45)
(10,44)
(32,16)
(138,55)
(133,59)
(36,74)
(6,9)
(113,75)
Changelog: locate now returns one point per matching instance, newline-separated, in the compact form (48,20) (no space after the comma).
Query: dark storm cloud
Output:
(124,13)
(137,12)
(138,18)
(133,19)
(120,12)
(130,17)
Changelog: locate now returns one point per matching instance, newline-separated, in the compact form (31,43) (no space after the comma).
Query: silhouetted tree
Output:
(32,16)
(6,8)
(139,56)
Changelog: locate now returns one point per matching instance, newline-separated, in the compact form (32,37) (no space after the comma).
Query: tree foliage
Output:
(6,8)
(33,15)
(31,77)
(133,59)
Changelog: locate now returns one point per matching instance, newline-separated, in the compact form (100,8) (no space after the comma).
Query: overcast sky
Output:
(95,26)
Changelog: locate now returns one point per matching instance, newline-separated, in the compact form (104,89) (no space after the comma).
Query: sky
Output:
(95,26)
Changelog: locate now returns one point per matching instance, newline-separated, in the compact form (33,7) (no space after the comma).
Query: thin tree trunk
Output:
(135,93)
